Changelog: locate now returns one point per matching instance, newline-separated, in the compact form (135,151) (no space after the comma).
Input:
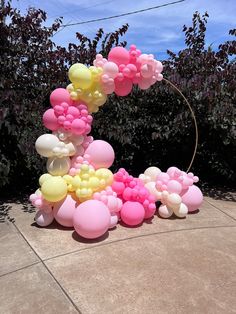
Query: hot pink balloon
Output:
(92,219)
(132,213)
(50,120)
(119,55)
(59,96)
(192,198)
(64,210)
(101,154)
(124,87)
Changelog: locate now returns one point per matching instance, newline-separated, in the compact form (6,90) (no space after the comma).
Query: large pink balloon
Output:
(64,210)
(124,87)
(101,153)
(192,198)
(59,96)
(50,120)
(132,213)
(92,219)
(119,55)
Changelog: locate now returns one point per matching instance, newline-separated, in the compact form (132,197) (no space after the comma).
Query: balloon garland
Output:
(79,190)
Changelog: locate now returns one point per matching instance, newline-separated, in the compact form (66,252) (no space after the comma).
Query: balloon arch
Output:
(79,190)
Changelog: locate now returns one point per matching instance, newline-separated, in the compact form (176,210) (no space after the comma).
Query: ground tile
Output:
(55,240)
(32,290)
(15,253)
(227,207)
(191,271)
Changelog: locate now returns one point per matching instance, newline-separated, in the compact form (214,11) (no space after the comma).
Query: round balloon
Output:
(59,96)
(43,219)
(64,211)
(50,120)
(54,189)
(132,213)
(192,198)
(101,154)
(91,219)
(119,55)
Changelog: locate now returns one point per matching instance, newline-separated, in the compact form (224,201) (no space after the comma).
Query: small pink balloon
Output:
(118,187)
(64,210)
(113,220)
(174,186)
(50,120)
(91,219)
(101,154)
(78,126)
(192,198)
(132,213)
(119,55)
(123,87)
(59,96)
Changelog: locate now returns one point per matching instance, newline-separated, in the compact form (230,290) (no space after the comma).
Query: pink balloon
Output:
(50,120)
(111,69)
(113,220)
(174,186)
(132,213)
(192,198)
(101,154)
(59,96)
(78,126)
(124,87)
(119,55)
(144,83)
(64,210)
(91,219)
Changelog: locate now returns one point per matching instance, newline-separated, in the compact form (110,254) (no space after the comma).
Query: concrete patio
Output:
(164,266)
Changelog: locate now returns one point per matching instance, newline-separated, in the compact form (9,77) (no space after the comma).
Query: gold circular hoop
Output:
(194,120)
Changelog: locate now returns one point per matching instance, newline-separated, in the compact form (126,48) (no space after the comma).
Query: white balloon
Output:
(43,219)
(182,211)
(164,211)
(58,166)
(45,144)
(152,172)
(151,186)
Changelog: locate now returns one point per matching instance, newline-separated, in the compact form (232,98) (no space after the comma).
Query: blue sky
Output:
(153,31)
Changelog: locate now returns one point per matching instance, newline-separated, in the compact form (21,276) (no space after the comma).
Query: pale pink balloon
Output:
(91,219)
(119,55)
(113,220)
(64,210)
(132,213)
(192,198)
(60,95)
(145,83)
(123,87)
(174,186)
(50,120)
(101,154)
(111,69)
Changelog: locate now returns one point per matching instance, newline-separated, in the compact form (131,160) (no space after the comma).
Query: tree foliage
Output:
(31,67)
(146,128)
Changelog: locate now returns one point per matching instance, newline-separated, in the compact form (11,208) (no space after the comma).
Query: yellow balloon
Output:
(43,178)
(54,189)
(80,77)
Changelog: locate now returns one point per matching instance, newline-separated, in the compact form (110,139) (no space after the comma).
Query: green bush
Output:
(151,127)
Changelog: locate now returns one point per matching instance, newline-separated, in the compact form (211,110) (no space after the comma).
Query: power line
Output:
(124,14)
